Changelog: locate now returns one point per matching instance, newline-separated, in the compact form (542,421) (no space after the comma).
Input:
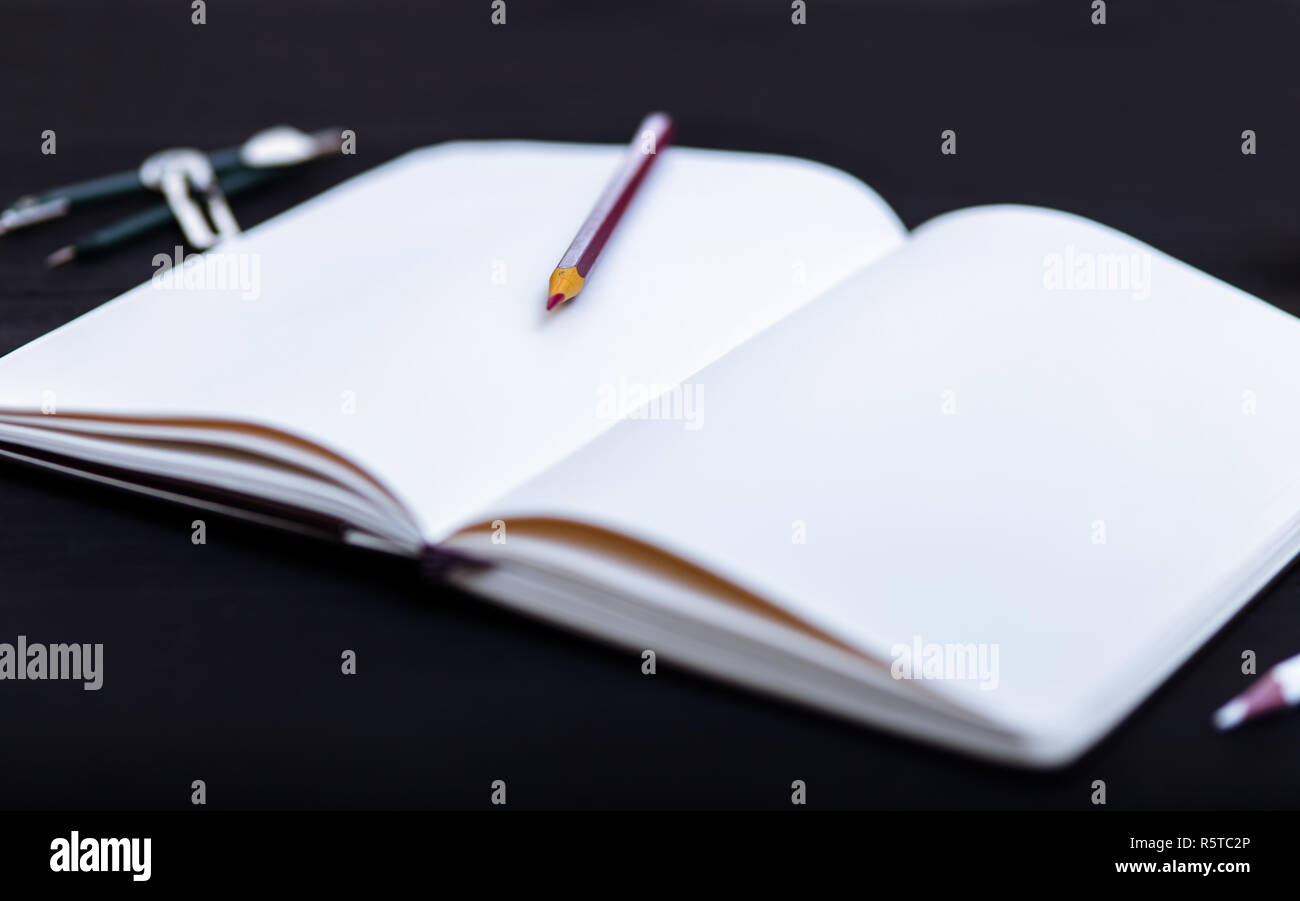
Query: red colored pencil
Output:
(654,134)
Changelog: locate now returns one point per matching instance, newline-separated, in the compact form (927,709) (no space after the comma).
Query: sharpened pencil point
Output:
(565,285)
(61,256)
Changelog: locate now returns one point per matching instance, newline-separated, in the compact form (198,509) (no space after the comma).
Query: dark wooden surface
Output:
(222,661)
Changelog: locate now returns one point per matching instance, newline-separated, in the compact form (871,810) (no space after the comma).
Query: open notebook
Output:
(987,483)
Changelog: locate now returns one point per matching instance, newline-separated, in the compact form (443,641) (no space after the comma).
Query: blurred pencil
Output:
(1277,689)
(652,136)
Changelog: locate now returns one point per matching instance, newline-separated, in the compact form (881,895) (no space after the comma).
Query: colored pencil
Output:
(654,134)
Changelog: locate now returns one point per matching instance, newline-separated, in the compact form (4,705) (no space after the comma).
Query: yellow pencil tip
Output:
(565,285)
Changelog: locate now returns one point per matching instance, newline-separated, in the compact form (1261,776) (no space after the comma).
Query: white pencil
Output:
(1277,689)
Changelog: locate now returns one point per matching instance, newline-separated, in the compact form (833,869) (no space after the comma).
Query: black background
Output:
(222,661)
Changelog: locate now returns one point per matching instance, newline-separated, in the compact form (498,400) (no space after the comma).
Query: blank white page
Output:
(1090,480)
(400,318)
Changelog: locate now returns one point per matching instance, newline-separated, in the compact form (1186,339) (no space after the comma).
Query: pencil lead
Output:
(61,256)
(564,286)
